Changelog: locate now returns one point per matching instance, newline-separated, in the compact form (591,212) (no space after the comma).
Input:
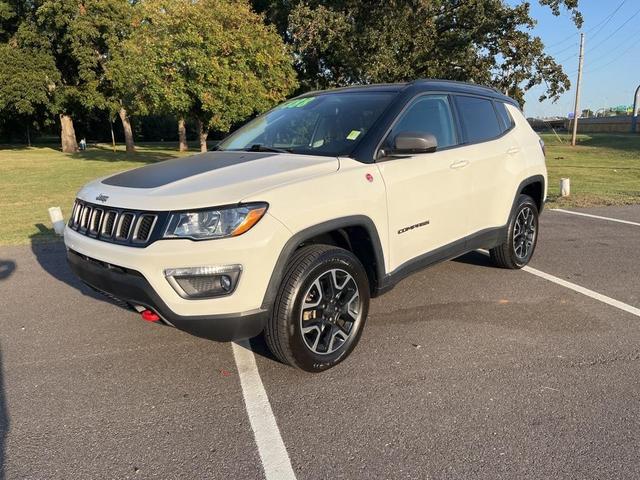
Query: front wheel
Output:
(320,309)
(521,238)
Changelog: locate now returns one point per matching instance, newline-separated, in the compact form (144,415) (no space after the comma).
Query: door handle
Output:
(460,164)
(513,151)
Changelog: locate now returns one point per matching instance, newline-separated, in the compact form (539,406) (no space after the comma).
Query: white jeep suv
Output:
(301,216)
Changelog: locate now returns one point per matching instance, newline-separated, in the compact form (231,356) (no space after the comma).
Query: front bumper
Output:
(240,314)
(131,286)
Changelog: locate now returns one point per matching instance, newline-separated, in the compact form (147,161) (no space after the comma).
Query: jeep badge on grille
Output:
(102,197)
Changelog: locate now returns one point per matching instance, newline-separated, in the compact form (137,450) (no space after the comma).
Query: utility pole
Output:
(576,110)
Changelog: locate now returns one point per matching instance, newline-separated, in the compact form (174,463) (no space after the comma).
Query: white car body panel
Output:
(425,188)
(214,188)
(344,193)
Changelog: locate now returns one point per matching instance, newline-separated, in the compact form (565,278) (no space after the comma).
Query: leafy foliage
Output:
(211,59)
(216,62)
(79,36)
(27,81)
(484,41)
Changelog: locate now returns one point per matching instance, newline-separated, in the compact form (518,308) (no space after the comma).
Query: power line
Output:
(590,70)
(573,45)
(606,20)
(622,54)
(565,59)
(617,30)
(616,47)
(592,48)
(570,37)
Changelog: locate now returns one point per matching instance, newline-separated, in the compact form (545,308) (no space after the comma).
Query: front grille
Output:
(96,218)
(115,225)
(145,225)
(84,218)
(109,223)
(124,228)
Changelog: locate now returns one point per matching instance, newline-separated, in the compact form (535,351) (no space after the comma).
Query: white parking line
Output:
(273,453)
(595,216)
(577,288)
(585,291)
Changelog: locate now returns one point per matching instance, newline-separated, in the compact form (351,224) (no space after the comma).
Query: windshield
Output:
(327,124)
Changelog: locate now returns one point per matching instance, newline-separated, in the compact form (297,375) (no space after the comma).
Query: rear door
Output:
(493,151)
(427,194)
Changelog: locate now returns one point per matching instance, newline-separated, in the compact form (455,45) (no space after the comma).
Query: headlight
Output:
(215,222)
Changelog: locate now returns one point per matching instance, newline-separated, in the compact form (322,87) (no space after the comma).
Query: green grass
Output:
(604,170)
(34,179)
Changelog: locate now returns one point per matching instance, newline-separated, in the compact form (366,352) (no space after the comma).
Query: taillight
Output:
(544,151)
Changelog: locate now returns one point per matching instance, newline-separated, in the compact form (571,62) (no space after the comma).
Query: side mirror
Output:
(413,142)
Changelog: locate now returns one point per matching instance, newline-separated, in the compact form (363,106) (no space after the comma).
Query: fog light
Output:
(204,282)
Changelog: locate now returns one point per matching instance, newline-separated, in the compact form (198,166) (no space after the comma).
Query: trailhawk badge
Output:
(102,197)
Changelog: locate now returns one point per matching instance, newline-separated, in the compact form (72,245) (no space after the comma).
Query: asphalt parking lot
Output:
(463,371)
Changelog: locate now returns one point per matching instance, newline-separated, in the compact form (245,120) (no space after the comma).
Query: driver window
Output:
(429,114)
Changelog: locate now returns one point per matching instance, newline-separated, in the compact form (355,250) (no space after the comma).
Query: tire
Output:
(320,309)
(519,245)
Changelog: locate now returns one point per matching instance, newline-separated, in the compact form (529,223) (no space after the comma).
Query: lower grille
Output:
(113,298)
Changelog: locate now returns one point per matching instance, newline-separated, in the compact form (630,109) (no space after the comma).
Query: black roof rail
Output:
(458,82)
(427,83)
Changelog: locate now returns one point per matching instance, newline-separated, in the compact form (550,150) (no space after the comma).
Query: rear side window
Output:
(429,114)
(479,118)
(505,116)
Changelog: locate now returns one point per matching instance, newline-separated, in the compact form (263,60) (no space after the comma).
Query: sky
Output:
(612,54)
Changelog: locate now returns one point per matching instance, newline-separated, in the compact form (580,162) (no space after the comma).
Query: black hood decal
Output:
(169,171)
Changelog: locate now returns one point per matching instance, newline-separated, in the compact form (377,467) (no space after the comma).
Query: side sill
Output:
(487,238)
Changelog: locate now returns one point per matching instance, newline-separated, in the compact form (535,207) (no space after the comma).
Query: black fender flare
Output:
(528,181)
(313,231)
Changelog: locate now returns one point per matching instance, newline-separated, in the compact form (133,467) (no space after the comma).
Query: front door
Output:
(427,193)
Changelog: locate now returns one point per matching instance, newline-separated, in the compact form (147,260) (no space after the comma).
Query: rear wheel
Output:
(521,238)
(320,309)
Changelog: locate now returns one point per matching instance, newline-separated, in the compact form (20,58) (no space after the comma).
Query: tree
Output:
(77,35)
(27,85)
(212,60)
(7,20)
(483,41)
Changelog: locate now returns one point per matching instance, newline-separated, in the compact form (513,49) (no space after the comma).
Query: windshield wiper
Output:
(263,148)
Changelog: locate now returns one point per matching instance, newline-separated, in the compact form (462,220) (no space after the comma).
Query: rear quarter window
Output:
(505,116)
(479,119)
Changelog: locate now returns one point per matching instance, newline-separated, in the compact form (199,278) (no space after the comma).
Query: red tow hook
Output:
(150,316)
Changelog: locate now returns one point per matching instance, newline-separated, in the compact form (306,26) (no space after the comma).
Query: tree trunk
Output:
(182,135)
(113,137)
(68,134)
(203,133)
(128,133)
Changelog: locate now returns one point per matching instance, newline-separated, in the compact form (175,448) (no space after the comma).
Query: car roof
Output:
(422,85)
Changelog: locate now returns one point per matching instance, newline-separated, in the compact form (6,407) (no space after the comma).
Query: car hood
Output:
(204,180)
